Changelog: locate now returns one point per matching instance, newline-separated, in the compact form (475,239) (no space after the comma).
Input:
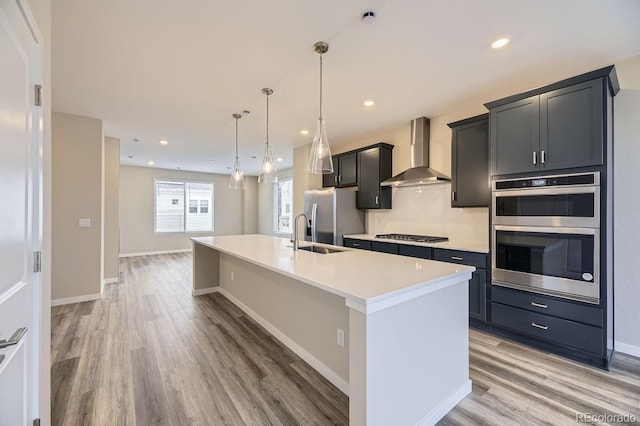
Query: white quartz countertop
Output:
(369,281)
(449,245)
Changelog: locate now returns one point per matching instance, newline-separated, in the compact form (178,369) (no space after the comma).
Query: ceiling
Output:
(162,69)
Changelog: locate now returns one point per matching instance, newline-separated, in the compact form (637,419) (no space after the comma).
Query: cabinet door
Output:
(331,179)
(514,132)
(374,166)
(477,295)
(571,120)
(470,165)
(347,166)
(355,243)
(384,247)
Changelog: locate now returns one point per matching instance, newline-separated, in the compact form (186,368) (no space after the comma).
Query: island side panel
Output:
(206,269)
(306,316)
(415,365)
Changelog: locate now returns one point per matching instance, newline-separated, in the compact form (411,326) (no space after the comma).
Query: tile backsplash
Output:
(426,210)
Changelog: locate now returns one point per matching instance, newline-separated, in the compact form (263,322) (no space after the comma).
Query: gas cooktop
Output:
(415,238)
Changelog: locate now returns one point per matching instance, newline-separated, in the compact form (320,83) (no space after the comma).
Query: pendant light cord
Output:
(236,140)
(321,86)
(267,120)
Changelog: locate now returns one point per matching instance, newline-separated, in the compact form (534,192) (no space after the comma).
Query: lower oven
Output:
(557,261)
(545,235)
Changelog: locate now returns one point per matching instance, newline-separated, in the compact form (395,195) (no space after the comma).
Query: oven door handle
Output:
(547,229)
(591,189)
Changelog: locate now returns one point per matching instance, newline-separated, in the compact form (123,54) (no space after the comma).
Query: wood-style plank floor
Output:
(149,353)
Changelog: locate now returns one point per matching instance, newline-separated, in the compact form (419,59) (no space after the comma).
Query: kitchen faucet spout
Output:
(295,229)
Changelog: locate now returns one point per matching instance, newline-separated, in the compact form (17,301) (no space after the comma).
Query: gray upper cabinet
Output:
(470,162)
(515,136)
(374,166)
(331,179)
(560,126)
(571,126)
(344,171)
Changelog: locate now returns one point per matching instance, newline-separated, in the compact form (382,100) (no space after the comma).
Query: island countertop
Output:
(369,281)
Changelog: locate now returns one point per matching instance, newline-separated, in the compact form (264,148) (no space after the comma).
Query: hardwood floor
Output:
(149,353)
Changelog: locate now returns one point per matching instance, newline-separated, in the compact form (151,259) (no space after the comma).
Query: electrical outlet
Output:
(341,337)
(232,277)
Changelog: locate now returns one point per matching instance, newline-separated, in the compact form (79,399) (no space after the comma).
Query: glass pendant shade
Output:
(320,155)
(236,181)
(268,173)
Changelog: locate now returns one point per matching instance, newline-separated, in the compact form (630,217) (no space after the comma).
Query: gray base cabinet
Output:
(470,162)
(479,278)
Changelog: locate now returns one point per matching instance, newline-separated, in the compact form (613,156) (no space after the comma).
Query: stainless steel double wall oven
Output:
(546,235)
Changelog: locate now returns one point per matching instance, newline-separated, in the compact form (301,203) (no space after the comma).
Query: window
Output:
(283,205)
(183,206)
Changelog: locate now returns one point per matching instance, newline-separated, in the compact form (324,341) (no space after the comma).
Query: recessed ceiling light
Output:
(150,162)
(368,103)
(304,132)
(502,41)
(164,142)
(279,159)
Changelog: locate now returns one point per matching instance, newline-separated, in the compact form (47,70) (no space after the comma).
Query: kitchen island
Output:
(389,331)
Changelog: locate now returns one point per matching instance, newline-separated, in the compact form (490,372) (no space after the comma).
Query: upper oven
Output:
(545,235)
(564,200)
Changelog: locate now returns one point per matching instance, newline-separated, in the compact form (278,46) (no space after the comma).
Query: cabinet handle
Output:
(14,339)
(538,305)
(355,245)
(535,157)
(377,198)
(541,327)
(543,157)
(335,178)
(457,258)
(453,195)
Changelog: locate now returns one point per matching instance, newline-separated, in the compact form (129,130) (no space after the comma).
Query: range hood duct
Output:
(419,173)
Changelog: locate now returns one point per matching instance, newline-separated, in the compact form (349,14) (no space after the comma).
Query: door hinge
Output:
(38,95)
(36,422)
(37,261)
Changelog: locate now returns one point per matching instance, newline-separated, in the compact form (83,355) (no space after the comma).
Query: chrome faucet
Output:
(295,229)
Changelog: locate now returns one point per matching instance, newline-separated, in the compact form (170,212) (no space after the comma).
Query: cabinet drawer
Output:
(478,260)
(548,305)
(564,332)
(416,251)
(384,247)
(353,243)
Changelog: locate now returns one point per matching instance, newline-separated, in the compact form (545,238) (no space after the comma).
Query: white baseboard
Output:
(628,349)
(302,353)
(110,281)
(447,405)
(77,299)
(202,291)
(151,253)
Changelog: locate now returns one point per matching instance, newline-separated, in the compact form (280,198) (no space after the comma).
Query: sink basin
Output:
(322,250)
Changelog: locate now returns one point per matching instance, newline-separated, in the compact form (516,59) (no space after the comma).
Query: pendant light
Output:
(268,172)
(237,176)
(320,155)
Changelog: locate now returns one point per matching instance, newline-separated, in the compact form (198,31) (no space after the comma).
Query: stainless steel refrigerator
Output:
(332,213)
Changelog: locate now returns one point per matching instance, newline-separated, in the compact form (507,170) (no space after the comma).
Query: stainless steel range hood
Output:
(419,173)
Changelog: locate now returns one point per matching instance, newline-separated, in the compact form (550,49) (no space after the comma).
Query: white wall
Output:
(77,193)
(235,212)
(111,209)
(266,204)
(627,206)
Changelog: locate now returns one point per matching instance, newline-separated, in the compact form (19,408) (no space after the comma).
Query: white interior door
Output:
(20,217)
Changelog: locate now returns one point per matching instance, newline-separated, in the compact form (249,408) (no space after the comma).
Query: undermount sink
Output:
(321,250)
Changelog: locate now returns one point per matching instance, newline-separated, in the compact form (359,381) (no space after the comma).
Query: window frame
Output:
(276,197)
(185,209)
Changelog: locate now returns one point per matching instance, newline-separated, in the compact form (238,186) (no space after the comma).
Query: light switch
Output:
(84,223)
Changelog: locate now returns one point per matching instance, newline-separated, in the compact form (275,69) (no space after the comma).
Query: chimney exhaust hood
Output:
(419,173)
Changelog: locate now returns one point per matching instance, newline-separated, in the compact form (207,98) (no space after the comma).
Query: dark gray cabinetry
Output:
(555,127)
(374,166)
(569,324)
(470,162)
(344,171)
(479,278)
(478,281)
(359,244)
